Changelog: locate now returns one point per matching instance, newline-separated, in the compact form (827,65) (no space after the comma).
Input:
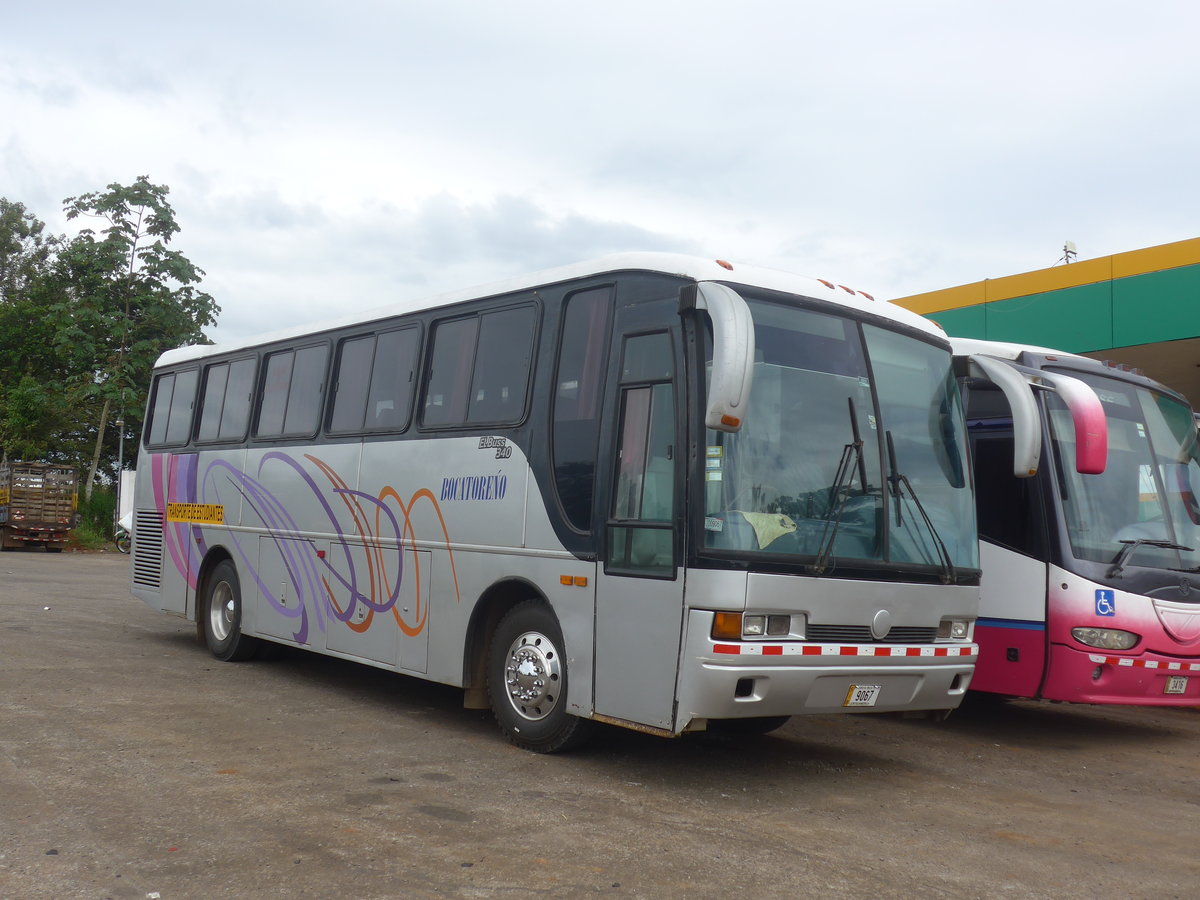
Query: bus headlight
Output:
(955,629)
(754,626)
(1105,638)
(730,626)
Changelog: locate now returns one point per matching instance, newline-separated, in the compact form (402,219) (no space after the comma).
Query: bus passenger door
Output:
(639,588)
(1013,552)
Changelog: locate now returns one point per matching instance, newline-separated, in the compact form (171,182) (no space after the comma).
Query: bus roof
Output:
(1011,351)
(695,268)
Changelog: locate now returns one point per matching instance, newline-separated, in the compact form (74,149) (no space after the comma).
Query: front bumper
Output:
(741,679)
(1094,676)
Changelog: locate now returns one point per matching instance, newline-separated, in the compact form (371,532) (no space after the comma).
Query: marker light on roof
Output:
(723,264)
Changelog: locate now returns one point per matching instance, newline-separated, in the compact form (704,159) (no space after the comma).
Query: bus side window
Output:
(291,393)
(450,372)
(350,383)
(235,415)
(579,388)
(274,394)
(502,364)
(479,369)
(216,378)
(392,379)
(171,409)
(373,384)
(160,407)
(225,401)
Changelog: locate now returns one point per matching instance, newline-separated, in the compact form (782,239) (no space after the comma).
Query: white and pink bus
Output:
(654,491)
(1089,526)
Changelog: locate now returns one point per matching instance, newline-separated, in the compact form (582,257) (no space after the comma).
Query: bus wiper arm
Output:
(1126,552)
(839,493)
(899,479)
(894,478)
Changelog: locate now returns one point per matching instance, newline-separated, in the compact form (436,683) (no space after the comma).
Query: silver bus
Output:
(654,491)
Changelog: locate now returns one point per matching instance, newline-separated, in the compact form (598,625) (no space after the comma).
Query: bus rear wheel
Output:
(221,616)
(527,681)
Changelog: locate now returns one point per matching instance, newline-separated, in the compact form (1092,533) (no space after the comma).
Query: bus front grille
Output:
(148,549)
(861,634)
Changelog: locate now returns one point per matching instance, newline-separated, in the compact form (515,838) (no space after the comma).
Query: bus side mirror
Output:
(1027,423)
(733,355)
(1087,415)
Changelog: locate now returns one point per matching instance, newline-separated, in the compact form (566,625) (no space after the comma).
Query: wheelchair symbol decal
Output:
(1106,602)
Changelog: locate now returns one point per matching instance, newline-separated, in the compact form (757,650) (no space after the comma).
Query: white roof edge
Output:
(1007,350)
(694,267)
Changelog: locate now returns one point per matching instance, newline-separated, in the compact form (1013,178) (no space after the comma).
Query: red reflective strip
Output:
(883,651)
(848,651)
(732,649)
(773,651)
(912,651)
(810,650)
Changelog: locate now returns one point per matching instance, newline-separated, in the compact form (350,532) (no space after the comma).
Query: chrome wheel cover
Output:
(222,611)
(533,676)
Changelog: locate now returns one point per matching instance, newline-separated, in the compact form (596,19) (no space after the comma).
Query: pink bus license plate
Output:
(1176,684)
(862,695)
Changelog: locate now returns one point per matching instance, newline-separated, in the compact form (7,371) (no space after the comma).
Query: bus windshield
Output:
(853,448)
(1148,492)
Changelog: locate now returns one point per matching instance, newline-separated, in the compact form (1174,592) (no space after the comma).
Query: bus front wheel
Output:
(221,616)
(527,681)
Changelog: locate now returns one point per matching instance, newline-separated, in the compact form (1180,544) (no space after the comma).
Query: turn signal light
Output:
(727,626)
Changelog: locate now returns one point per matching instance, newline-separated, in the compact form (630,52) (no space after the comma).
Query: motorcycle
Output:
(123,533)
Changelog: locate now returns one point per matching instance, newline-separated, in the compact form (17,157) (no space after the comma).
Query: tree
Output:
(31,376)
(25,251)
(127,298)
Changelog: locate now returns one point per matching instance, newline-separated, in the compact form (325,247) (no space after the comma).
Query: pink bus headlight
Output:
(1105,638)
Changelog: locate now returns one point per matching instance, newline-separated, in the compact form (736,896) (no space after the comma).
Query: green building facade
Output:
(1140,308)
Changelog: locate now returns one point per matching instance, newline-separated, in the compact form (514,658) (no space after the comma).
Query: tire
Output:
(221,616)
(750,726)
(527,682)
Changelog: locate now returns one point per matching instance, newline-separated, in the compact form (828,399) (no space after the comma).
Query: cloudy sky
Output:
(324,157)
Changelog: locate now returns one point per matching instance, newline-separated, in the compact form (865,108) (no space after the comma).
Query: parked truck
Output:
(37,504)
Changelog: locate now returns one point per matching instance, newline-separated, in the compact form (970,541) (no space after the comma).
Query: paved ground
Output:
(133,765)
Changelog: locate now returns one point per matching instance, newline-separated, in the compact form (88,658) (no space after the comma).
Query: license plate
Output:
(1176,684)
(862,694)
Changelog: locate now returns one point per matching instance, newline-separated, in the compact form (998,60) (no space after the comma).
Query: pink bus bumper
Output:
(1097,676)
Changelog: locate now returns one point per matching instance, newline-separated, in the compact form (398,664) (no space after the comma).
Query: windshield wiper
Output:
(897,479)
(839,492)
(1126,552)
